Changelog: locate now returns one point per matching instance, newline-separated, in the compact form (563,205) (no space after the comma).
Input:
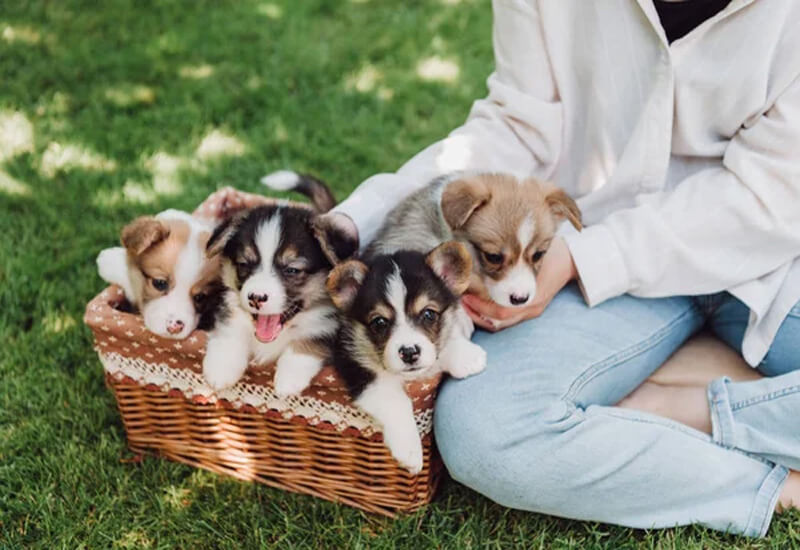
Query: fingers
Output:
(500,313)
(487,308)
(484,322)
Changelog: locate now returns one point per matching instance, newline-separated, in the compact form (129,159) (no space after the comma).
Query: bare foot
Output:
(790,495)
(685,404)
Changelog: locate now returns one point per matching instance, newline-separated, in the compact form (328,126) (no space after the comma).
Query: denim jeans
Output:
(538,429)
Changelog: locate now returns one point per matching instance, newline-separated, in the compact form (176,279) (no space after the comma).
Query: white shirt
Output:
(684,158)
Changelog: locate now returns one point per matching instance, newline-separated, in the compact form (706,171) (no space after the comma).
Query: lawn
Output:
(108,113)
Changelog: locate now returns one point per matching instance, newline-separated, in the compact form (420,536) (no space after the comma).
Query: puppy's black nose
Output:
(257,299)
(519,300)
(409,354)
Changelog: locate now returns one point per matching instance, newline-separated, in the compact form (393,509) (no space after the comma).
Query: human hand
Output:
(557,270)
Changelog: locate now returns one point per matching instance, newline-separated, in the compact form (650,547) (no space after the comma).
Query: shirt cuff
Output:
(602,273)
(365,210)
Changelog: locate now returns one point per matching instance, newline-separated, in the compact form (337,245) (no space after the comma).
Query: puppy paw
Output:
(463,358)
(406,448)
(289,382)
(294,372)
(220,371)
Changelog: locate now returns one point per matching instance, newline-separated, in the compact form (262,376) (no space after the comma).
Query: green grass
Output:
(108,107)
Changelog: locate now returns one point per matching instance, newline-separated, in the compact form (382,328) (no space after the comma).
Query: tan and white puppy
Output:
(165,274)
(507,224)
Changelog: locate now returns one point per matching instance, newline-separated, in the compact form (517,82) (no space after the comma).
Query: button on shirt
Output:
(684,157)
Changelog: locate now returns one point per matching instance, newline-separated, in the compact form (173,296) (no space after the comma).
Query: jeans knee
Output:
(784,353)
(493,457)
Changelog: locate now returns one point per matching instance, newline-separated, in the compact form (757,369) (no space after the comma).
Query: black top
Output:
(679,18)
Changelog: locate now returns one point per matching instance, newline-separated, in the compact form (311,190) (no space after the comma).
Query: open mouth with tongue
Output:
(268,327)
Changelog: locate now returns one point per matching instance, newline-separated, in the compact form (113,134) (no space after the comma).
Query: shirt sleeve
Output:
(515,129)
(718,228)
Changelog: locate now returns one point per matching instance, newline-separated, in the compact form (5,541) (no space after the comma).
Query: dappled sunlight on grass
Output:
(58,157)
(219,144)
(281,133)
(57,105)
(273,11)
(24,35)
(134,539)
(135,191)
(55,323)
(254,82)
(126,95)
(16,134)
(196,72)
(166,173)
(177,497)
(367,79)
(364,80)
(12,186)
(438,69)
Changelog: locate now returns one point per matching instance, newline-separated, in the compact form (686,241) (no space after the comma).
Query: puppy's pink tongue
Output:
(268,327)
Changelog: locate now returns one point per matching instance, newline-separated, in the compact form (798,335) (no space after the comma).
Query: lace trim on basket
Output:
(262,398)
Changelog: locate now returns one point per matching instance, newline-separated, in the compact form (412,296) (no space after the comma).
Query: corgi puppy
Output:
(275,260)
(163,271)
(399,311)
(506,223)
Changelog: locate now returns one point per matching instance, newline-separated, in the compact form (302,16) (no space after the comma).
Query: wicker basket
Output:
(316,443)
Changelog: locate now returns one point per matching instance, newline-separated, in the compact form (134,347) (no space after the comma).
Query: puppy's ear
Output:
(461,198)
(563,207)
(337,236)
(142,233)
(452,263)
(344,281)
(222,234)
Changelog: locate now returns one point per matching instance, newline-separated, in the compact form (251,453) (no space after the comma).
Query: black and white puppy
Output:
(399,311)
(275,261)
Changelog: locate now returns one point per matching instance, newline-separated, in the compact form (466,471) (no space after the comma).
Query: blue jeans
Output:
(538,430)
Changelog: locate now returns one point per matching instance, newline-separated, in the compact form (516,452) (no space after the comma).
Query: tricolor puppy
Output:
(507,224)
(275,260)
(163,270)
(400,313)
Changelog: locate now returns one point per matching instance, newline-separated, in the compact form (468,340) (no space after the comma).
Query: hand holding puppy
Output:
(557,270)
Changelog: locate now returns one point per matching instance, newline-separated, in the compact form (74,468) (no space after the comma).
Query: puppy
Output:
(399,312)
(506,223)
(163,270)
(275,260)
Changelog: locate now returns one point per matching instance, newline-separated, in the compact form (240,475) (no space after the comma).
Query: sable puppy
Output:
(275,260)
(164,272)
(506,223)
(400,311)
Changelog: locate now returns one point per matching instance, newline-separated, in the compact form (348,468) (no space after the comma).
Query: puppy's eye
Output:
(429,315)
(199,298)
(538,255)
(378,324)
(291,271)
(242,264)
(495,259)
(160,285)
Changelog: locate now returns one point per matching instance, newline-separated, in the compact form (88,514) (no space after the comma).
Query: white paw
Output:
(289,381)
(221,370)
(406,448)
(462,358)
